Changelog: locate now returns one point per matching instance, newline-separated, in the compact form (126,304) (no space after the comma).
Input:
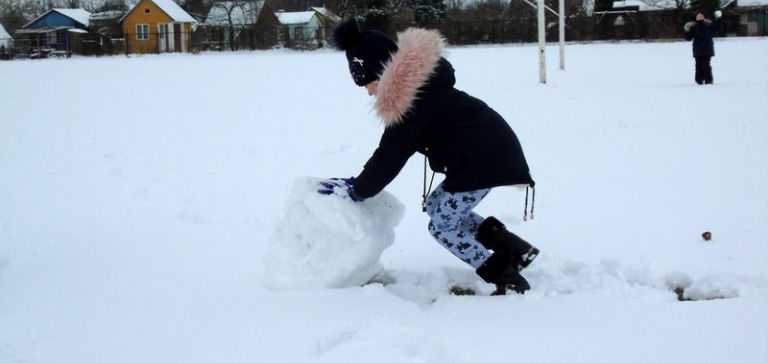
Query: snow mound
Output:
(330,241)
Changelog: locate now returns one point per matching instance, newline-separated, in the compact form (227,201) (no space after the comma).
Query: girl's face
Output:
(372,88)
(699,17)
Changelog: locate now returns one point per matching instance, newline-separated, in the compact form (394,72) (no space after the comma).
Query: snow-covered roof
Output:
(170,8)
(79,15)
(647,5)
(43,30)
(4,34)
(650,5)
(107,15)
(327,13)
(298,17)
(748,3)
(174,11)
(242,13)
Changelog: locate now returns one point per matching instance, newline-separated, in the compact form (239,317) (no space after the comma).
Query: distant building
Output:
(106,33)
(327,19)
(157,26)
(326,15)
(5,38)
(6,43)
(240,25)
(107,22)
(56,32)
(752,15)
(641,19)
(306,29)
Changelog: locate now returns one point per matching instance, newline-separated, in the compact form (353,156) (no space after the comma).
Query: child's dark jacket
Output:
(701,32)
(461,136)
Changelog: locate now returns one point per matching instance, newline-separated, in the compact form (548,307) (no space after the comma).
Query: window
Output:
(51,38)
(142,31)
(298,33)
(146,10)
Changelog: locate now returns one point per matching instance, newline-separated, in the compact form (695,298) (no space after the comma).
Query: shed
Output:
(6,43)
(157,26)
(753,17)
(50,33)
(300,29)
(240,25)
(107,22)
(106,33)
(327,18)
(5,39)
(326,15)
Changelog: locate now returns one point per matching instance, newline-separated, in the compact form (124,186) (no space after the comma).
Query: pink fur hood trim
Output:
(419,51)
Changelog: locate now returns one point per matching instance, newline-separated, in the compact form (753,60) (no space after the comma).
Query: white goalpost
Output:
(542,42)
(561,31)
(541,20)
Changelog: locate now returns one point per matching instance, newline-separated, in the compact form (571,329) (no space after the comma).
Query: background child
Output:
(701,31)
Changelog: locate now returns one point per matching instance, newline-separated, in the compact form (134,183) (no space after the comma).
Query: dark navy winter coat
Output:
(461,136)
(701,33)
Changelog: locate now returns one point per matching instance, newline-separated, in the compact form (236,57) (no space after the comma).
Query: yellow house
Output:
(157,26)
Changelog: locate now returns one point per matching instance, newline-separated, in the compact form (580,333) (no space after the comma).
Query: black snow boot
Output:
(493,235)
(502,271)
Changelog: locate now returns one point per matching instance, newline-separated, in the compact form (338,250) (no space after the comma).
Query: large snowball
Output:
(329,240)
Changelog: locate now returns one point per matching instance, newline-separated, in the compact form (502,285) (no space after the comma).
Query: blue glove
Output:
(328,186)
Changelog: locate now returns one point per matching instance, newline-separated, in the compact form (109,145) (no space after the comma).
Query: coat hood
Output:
(409,69)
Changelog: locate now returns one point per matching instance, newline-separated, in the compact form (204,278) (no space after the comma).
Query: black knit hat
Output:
(366,50)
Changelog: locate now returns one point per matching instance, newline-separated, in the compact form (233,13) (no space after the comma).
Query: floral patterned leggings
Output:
(454,224)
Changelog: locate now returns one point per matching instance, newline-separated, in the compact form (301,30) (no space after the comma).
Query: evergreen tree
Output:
(373,14)
(429,11)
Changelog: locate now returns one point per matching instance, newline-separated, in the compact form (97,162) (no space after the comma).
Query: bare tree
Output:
(235,15)
(15,13)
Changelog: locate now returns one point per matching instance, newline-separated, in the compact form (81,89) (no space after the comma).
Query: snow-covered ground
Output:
(140,199)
